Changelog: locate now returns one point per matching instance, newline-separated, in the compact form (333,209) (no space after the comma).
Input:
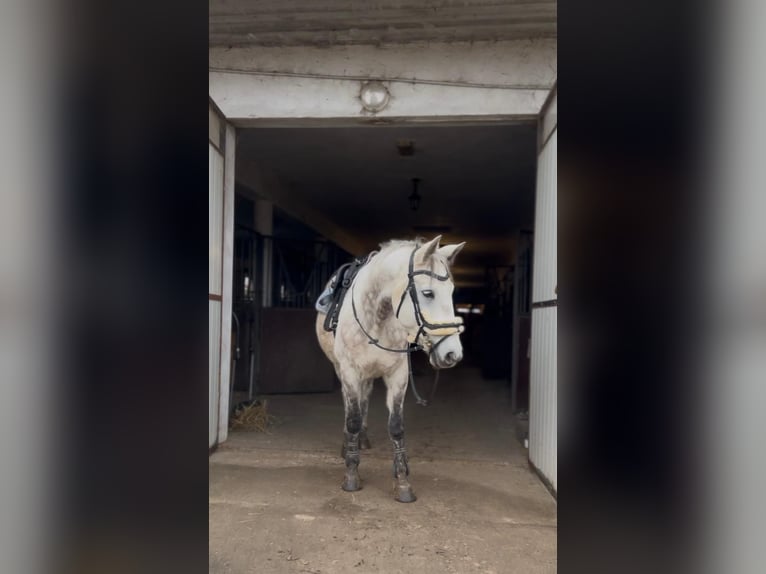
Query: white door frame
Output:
(543,389)
(228,87)
(222,137)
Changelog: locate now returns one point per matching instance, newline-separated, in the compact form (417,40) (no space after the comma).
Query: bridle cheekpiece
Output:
(424,326)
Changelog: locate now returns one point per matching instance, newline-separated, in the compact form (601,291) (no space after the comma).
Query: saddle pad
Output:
(324,302)
(331,299)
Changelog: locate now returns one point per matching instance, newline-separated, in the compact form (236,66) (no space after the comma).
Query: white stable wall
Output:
(543,406)
(215,260)
(221,148)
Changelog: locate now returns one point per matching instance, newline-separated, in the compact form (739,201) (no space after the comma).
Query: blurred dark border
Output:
(134,327)
(132,111)
(632,97)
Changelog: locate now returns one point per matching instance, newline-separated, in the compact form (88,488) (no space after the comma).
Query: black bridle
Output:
(424,326)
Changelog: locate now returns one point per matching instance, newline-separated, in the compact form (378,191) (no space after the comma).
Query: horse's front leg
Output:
(397,390)
(351,431)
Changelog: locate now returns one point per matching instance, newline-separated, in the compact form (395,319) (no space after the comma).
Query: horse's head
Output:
(423,303)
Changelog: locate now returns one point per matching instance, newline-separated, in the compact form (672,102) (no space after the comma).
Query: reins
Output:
(373,341)
(422,323)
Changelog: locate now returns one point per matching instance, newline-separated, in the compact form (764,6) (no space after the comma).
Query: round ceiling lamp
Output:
(374,96)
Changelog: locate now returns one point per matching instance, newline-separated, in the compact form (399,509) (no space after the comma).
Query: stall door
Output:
(220,249)
(543,381)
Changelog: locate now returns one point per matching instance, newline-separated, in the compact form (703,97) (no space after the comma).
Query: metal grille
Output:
(248,302)
(301,270)
(272,272)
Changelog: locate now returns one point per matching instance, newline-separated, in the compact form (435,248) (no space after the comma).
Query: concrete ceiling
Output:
(336,22)
(477,181)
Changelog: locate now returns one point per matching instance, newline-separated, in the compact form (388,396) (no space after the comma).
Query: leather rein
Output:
(424,326)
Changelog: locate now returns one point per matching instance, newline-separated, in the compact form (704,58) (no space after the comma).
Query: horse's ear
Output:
(428,249)
(449,252)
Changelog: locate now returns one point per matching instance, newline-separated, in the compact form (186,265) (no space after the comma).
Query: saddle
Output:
(331,300)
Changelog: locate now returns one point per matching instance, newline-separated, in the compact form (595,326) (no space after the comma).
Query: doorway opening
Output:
(330,193)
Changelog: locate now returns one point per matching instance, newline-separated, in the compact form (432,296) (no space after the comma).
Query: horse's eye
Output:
(428,294)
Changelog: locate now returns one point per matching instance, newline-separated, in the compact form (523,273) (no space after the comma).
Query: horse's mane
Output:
(393,244)
(397,243)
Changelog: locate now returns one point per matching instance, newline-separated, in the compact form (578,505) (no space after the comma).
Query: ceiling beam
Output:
(259,85)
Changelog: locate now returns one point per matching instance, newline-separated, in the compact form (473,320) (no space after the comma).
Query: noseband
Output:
(424,326)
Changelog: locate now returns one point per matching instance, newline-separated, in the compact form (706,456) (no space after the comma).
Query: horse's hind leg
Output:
(364,441)
(364,401)
(397,390)
(352,428)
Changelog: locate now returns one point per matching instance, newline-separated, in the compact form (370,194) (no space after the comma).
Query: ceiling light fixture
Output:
(414,197)
(374,96)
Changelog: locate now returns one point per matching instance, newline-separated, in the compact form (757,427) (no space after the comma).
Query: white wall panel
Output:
(221,259)
(227,274)
(544,269)
(543,407)
(214,369)
(550,119)
(215,219)
(215,258)
(543,383)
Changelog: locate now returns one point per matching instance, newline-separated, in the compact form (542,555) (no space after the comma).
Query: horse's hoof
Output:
(351,484)
(404,494)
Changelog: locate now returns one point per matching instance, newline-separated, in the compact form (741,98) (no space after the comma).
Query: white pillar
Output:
(227,291)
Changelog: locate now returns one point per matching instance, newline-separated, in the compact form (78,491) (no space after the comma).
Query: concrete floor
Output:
(276,503)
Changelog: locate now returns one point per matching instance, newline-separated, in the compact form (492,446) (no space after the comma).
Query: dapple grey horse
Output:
(400,299)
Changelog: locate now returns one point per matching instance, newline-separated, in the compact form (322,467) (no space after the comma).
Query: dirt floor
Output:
(276,504)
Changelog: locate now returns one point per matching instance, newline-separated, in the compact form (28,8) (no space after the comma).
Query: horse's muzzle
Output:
(451,359)
(447,358)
